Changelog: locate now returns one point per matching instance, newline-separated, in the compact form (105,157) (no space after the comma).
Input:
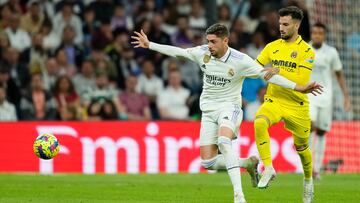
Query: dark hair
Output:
(57,84)
(218,29)
(293,11)
(321,25)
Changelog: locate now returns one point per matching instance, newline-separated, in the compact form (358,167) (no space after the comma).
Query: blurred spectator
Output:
(74,53)
(197,18)
(67,17)
(102,92)
(16,6)
(103,36)
(250,89)
(65,68)
(13,94)
(4,43)
(256,46)
(251,17)
(47,8)
(183,36)
(89,27)
(105,110)
(77,5)
(252,107)
(157,34)
(6,14)
(68,101)
(127,65)
(50,73)
(224,15)
(145,10)
(35,55)
(169,107)
(19,72)
(120,20)
(114,52)
(190,74)
(7,110)
(269,26)
(170,64)
(19,38)
(239,38)
(85,78)
(104,64)
(150,85)
(136,104)
(37,103)
(51,40)
(33,19)
(103,9)
(183,7)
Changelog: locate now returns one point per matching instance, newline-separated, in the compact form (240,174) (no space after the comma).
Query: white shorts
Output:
(321,116)
(211,121)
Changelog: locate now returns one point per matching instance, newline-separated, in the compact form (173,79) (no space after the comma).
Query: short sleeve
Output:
(264,58)
(336,64)
(249,68)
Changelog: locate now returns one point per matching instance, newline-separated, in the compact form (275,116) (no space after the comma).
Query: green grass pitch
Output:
(175,188)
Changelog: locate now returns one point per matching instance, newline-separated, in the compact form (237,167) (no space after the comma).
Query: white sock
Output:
(319,152)
(231,162)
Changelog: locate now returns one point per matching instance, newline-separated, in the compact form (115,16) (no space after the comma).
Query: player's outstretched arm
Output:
(141,41)
(313,88)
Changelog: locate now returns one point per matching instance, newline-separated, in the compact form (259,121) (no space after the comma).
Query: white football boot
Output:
(267,176)
(308,194)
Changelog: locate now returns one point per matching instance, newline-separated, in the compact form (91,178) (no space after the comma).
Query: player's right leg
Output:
(266,116)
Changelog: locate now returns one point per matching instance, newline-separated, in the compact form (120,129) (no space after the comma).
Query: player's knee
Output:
(302,147)
(320,132)
(208,163)
(224,143)
(261,124)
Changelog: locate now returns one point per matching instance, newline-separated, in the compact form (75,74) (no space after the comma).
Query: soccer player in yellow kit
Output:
(293,58)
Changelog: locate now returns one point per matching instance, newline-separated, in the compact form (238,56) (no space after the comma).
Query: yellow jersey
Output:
(295,61)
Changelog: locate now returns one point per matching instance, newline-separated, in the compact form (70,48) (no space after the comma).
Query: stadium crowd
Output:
(72,60)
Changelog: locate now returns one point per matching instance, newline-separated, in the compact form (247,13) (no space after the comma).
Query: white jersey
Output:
(327,61)
(222,78)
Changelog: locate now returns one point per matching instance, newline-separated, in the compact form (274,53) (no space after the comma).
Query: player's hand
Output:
(313,88)
(141,40)
(347,103)
(269,72)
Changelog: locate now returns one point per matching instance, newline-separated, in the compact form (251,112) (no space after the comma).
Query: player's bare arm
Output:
(341,80)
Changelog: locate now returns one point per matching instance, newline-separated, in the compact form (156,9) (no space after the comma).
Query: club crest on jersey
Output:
(293,54)
(206,58)
(231,72)
(310,59)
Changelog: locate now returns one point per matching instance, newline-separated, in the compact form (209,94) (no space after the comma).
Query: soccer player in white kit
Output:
(224,70)
(327,62)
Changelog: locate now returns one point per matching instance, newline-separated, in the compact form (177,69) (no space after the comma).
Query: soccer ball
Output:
(46,146)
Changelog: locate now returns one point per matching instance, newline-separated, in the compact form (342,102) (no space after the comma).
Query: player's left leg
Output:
(229,120)
(210,159)
(298,121)
(323,126)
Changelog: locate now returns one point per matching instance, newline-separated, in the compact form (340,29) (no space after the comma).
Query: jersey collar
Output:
(297,41)
(226,56)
